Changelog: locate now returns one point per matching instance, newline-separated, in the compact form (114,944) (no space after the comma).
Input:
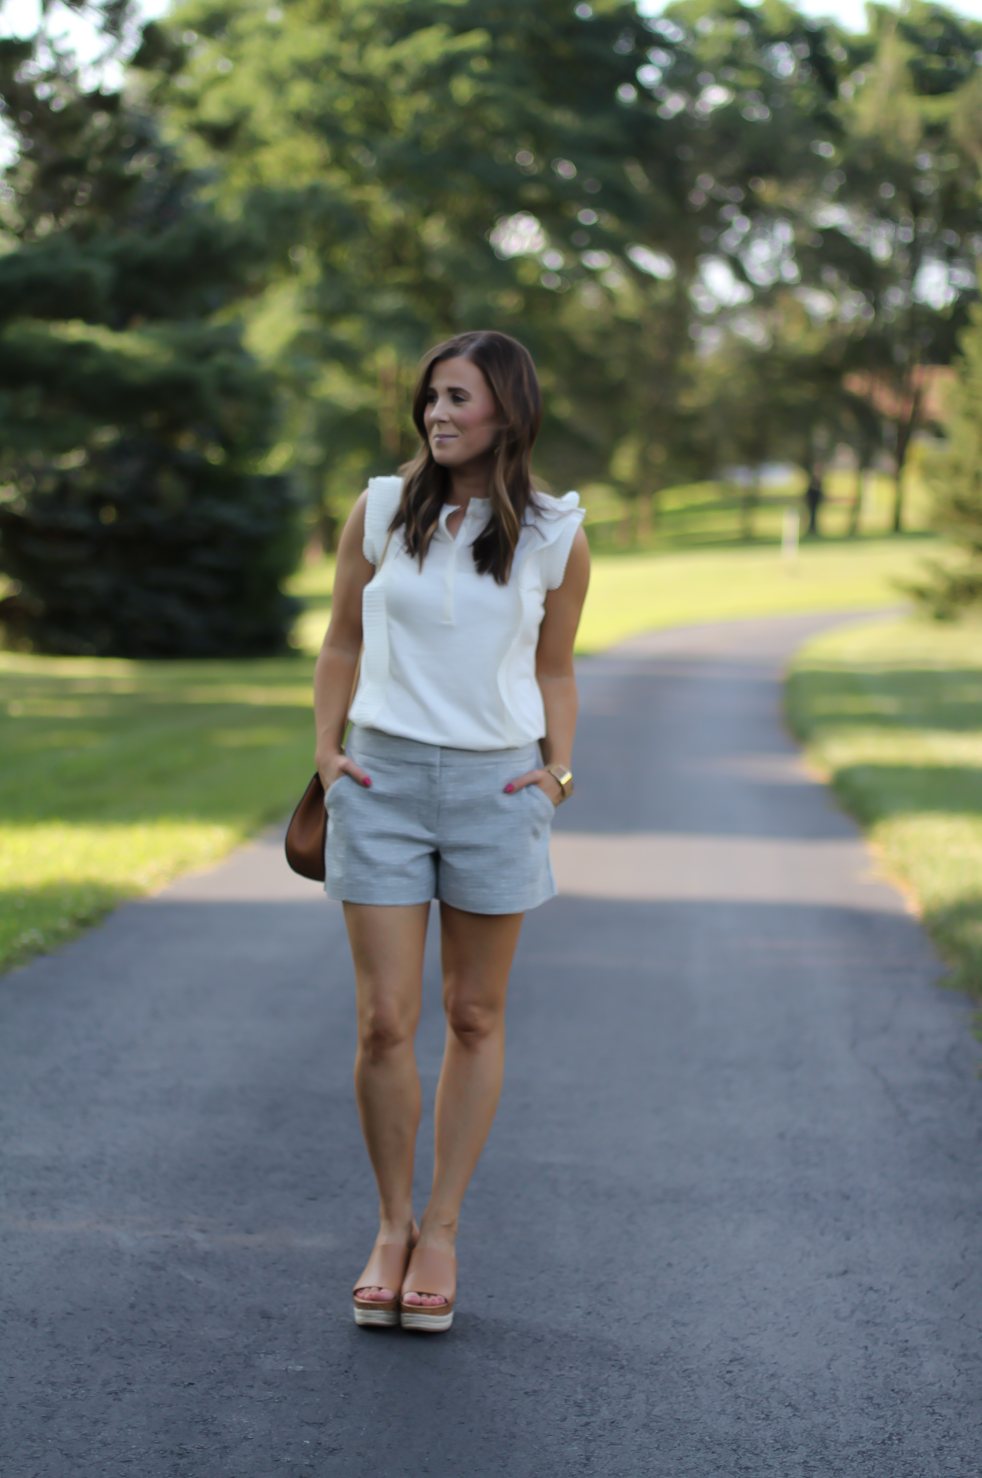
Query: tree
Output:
(839,170)
(727,102)
(449,165)
(956,476)
(135,516)
(891,242)
(641,201)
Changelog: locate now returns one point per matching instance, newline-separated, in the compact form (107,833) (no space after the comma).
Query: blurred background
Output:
(742,242)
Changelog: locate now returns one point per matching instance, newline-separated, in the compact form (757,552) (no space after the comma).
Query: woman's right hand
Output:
(331,765)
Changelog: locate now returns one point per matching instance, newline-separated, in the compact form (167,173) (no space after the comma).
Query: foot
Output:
(372,1293)
(441,1240)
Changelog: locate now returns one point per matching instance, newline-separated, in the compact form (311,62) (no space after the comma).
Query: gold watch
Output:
(563,778)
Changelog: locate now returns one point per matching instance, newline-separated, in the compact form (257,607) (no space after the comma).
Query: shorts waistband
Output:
(375,744)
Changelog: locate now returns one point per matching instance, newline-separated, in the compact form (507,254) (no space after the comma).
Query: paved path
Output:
(727,1222)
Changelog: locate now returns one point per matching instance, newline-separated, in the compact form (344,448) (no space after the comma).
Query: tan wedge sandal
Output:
(433,1272)
(386,1268)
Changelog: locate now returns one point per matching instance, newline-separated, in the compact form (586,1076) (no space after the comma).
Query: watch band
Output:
(563,778)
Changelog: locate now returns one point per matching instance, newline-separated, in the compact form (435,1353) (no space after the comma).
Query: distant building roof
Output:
(929,381)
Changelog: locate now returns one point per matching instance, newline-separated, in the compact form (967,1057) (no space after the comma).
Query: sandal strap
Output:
(385,1268)
(431,1271)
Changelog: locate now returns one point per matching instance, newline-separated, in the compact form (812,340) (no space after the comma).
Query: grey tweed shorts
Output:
(436,823)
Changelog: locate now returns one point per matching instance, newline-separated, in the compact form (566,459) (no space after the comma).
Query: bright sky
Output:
(20,17)
(849,13)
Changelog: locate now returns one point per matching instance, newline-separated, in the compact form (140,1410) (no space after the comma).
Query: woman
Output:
(466,586)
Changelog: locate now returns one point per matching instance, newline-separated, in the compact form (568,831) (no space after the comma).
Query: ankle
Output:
(439,1226)
(399,1227)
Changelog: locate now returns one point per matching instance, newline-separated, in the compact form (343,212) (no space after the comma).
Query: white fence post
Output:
(867,503)
(789,534)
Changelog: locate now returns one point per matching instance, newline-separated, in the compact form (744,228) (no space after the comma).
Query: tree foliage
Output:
(135,518)
(956,473)
(655,192)
(727,233)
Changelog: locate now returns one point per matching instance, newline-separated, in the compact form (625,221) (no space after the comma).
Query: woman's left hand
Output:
(544,779)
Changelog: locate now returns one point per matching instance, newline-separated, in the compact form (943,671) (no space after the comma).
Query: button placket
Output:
(450,574)
(474,510)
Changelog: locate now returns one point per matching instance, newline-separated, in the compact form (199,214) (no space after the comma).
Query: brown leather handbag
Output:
(307,833)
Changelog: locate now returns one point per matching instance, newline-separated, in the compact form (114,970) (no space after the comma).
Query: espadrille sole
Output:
(376,1318)
(423,1321)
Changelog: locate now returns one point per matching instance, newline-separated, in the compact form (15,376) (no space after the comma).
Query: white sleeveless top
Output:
(449,654)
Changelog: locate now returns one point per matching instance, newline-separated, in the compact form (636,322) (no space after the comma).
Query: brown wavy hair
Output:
(508,368)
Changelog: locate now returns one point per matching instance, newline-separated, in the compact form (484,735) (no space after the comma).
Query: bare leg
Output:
(478,950)
(387,948)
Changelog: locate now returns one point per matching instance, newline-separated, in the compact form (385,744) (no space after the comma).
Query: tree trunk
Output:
(907,420)
(390,405)
(898,496)
(644,522)
(748,503)
(857,503)
(327,528)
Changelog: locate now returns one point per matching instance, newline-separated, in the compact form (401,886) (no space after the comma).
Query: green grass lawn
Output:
(893,714)
(637,592)
(715,513)
(630,593)
(116,776)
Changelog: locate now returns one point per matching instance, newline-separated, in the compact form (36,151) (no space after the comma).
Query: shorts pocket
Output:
(332,789)
(539,793)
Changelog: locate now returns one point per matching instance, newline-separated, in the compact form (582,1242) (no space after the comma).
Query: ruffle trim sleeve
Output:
(383,500)
(556,520)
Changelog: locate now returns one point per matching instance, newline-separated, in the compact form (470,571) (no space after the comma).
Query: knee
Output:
(472,1023)
(382,1030)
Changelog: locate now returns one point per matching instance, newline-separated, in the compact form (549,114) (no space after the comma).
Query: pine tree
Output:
(135,517)
(955,474)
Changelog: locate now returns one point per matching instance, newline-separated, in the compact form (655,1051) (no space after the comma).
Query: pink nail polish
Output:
(509,789)
(366,781)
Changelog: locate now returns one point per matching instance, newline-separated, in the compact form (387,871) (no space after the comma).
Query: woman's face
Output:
(462,419)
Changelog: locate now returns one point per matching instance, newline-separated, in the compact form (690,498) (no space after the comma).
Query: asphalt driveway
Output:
(728,1221)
